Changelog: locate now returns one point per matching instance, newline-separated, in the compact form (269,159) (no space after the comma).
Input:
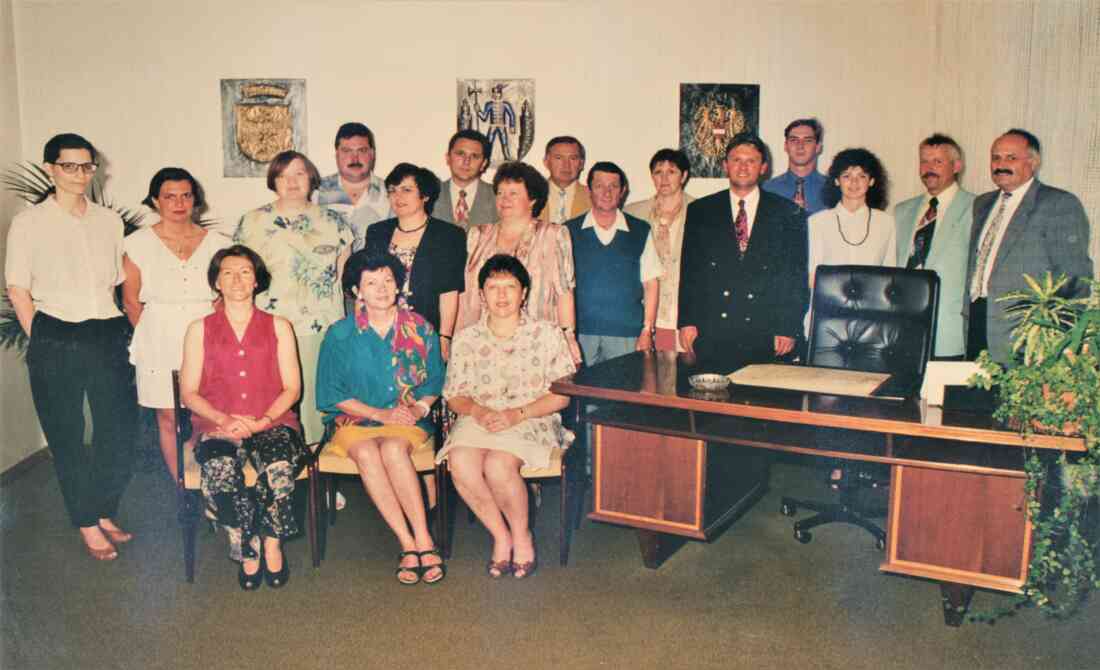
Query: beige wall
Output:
(19,432)
(140,77)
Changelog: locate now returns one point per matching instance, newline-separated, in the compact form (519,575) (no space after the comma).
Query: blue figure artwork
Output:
(501,117)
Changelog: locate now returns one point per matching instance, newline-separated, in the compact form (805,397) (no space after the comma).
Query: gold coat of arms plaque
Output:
(260,119)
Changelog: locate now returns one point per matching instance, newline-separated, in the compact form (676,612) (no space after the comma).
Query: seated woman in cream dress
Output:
(498,382)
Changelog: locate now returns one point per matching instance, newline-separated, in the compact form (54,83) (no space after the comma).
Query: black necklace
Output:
(866,233)
(414,229)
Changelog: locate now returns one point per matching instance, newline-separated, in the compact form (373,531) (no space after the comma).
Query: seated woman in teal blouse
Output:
(378,374)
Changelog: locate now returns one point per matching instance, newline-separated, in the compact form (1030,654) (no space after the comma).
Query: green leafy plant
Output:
(1054,387)
(31,183)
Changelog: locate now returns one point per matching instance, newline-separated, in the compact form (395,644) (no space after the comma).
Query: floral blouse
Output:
(301,255)
(502,373)
(547,253)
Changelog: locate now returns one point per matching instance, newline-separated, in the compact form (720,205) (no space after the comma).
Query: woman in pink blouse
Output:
(543,248)
(498,382)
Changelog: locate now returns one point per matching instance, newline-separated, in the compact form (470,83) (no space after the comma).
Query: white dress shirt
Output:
(943,202)
(1011,205)
(471,195)
(650,265)
(69,264)
(752,201)
(554,202)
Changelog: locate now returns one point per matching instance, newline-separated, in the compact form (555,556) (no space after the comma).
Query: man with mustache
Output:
(1022,227)
(933,234)
(355,191)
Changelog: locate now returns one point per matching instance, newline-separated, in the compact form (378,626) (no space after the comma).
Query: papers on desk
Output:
(829,381)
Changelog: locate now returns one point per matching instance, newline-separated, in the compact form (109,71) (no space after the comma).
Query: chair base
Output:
(842,512)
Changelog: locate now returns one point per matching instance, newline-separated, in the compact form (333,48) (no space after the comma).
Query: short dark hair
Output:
(174,174)
(941,140)
(565,139)
(674,156)
(501,264)
(426,182)
(877,194)
(1032,140)
(751,139)
(369,260)
(471,134)
(610,168)
(259,268)
(538,190)
(284,159)
(353,129)
(811,123)
(52,151)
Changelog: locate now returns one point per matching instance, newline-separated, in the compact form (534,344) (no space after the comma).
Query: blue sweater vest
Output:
(609,295)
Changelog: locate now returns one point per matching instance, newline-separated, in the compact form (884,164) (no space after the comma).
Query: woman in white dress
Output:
(498,382)
(165,289)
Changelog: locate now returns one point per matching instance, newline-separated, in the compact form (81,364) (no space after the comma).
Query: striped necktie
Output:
(977,285)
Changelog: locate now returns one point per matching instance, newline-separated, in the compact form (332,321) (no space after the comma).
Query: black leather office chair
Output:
(871,319)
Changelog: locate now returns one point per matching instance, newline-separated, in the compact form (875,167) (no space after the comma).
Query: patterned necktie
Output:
(561,206)
(741,227)
(984,252)
(462,209)
(800,192)
(922,237)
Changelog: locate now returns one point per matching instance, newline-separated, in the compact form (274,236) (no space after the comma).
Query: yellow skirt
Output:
(347,436)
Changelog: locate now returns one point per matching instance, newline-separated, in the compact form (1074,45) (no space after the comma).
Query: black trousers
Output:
(67,361)
(977,339)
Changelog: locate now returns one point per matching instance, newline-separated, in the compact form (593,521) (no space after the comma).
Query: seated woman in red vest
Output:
(240,379)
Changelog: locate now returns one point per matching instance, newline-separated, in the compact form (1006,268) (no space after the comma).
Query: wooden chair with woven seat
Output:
(327,465)
(563,466)
(189,486)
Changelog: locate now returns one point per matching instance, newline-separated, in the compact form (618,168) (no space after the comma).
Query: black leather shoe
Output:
(277,580)
(250,582)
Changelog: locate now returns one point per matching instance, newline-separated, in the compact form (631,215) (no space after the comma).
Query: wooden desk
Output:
(676,464)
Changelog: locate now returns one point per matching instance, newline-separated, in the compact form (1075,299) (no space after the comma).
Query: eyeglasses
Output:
(71,168)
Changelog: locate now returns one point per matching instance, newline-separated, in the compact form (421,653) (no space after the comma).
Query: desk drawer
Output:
(959,527)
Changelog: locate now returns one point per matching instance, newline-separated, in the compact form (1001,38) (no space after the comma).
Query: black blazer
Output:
(438,265)
(740,305)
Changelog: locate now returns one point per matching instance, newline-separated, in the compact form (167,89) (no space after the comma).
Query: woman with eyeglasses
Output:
(432,251)
(64,260)
(165,289)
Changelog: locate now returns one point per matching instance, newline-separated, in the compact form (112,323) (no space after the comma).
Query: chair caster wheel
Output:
(787,510)
(880,544)
(803,536)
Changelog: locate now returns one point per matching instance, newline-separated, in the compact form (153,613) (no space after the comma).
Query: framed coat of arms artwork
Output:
(501,109)
(710,115)
(260,119)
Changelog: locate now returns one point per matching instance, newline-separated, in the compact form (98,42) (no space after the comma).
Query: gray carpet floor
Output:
(752,598)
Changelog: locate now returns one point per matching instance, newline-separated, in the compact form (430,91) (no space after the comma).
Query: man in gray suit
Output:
(934,234)
(465,199)
(1022,227)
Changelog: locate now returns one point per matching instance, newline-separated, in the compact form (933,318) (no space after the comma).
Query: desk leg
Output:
(657,547)
(956,601)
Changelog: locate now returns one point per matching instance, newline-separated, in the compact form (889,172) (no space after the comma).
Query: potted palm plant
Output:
(1053,386)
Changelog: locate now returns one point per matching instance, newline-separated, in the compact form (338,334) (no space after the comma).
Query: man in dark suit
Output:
(1022,227)
(465,199)
(743,283)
